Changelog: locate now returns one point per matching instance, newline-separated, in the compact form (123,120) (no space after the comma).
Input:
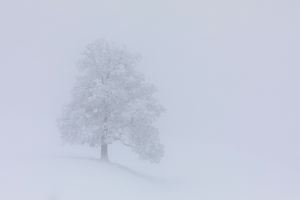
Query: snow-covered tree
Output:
(112,102)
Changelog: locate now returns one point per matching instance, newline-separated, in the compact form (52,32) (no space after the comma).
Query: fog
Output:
(227,73)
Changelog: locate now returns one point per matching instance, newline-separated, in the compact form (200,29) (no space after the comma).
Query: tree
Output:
(112,102)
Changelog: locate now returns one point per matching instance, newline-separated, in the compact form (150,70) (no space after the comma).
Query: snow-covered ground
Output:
(36,167)
(77,174)
(77,178)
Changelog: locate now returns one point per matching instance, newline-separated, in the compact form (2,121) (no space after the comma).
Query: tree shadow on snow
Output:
(113,165)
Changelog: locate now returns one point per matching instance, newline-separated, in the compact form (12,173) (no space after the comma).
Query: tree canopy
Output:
(112,101)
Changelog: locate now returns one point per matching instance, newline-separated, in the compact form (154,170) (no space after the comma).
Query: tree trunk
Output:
(104,152)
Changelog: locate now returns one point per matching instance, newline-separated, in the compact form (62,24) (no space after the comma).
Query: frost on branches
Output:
(112,102)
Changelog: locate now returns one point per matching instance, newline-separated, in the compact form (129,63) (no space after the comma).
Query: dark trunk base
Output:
(104,152)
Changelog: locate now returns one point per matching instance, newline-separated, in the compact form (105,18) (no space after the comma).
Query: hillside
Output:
(76,178)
